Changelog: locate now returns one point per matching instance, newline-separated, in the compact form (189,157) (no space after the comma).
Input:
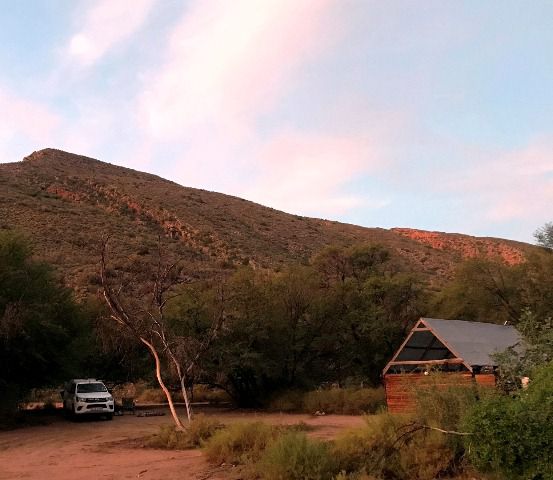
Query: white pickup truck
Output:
(87,396)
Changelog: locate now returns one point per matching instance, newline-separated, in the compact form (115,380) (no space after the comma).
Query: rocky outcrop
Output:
(467,246)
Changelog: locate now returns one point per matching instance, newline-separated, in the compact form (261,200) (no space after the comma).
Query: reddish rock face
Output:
(466,246)
(61,192)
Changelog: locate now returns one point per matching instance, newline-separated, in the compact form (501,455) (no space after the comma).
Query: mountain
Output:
(67,203)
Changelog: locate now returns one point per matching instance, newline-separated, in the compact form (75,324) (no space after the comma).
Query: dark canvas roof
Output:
(474,342)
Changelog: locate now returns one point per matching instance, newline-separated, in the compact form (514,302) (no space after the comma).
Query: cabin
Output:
(461,350)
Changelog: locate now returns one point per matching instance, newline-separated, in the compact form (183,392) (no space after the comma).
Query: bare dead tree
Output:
(143,316)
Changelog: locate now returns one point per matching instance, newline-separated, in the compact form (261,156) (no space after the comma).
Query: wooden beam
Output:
(443,347)
(428,362)
(409,335)
(447,345)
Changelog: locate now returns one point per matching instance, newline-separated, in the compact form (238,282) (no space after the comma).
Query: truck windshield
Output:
(91,388)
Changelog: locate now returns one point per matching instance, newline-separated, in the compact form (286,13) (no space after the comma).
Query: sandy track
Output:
(100,449)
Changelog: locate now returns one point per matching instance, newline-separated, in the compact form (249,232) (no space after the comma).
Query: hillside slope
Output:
(66,203)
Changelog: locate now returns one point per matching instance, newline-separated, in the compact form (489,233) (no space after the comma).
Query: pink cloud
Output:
(306,173)
(23,123)
(512,185)
(228,62)
(105,24)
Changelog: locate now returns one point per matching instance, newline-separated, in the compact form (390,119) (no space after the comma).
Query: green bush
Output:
(240,443)
(194,435)
(294,457)
(513,436)
(345,401)
(443,406)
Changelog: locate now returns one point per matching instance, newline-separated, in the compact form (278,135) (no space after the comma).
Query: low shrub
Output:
(298,427)
(426,456)
(150,395)
(294,457)
(367,447)
(194,435)
(354,476)
(169,438)
(201,428)
(389,447)
(203,393)
(289,401)
(240,443)
(445,406)
(344,401)
(44,395)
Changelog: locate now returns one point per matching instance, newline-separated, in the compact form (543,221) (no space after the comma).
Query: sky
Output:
(426,114)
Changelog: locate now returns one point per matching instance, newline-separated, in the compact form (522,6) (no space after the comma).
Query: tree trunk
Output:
(185,397)
(166,391)
(183,388)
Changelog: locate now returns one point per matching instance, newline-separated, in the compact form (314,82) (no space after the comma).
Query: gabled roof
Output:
(474,342)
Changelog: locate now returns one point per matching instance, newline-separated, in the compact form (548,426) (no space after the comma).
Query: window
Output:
(424,346)
(91,388)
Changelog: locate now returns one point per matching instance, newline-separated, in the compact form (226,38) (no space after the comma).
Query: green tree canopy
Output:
(43,332)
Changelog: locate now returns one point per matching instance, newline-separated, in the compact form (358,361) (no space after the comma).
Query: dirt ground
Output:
(100,449)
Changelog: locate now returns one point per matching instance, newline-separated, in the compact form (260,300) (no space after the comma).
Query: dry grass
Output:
(240,443)
(146,394)
(342,401)
(293,456)
(194,435)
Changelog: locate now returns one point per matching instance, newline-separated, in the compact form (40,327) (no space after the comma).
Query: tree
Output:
(336,320)
(44,334)
(139,308)
(369,307)
(492,291)
(544,236)
(482,289)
